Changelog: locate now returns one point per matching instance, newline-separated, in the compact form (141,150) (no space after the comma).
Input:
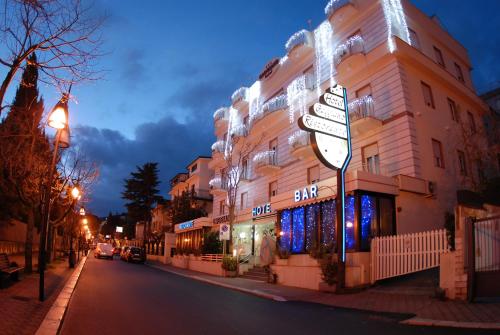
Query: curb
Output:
(52,321)
(216,283)
(416,321)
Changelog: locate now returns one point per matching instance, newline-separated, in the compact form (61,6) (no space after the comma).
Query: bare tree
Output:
(64,34)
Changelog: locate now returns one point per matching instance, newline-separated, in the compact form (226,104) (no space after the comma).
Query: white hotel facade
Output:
(410,98)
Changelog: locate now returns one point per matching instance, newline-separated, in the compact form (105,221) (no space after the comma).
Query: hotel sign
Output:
(269,69)
(305,194)
(261,210)
(186,225)
(221,219)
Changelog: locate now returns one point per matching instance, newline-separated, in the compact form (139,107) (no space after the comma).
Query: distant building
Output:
(161,218)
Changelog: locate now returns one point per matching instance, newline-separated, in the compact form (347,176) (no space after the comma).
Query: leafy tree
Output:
(141,190)
(185,208)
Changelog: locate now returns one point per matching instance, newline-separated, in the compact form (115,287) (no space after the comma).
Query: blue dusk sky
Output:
(170,64)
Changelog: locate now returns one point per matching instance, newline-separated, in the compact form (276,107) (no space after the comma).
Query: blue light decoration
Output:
(286,229)
(312,212)
(298,230)
(328,217)
(350,241)
(368,215)
(186,225)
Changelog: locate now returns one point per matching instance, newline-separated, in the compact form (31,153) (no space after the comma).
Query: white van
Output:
(103,250)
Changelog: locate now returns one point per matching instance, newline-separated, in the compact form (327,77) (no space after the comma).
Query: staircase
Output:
(256,273)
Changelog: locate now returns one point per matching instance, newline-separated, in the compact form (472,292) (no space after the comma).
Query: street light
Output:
(75,194)
(58,119)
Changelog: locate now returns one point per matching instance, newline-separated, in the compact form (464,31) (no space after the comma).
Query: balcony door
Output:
(371,160)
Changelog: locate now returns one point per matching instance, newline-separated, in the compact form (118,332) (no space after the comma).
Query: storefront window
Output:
(298,230)
(286,229)
(368,220)
(312,213)
(328,216)
(350,240)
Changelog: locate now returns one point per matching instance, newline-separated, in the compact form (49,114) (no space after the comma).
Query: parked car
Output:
(103,250)
(123,254)
(117,251)
(135,254)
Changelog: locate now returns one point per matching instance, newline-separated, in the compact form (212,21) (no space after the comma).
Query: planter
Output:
(230,274)
(281,261)
(324,287)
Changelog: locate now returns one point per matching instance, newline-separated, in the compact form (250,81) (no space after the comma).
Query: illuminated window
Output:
(313,174)
(462,163)
(439,57)
(453,110)
(437,149)
(459,73)
(428,98)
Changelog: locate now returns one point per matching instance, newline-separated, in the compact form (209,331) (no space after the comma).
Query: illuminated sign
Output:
(186,225)
(119,229)
(261,210)
(269,69)
(305,194)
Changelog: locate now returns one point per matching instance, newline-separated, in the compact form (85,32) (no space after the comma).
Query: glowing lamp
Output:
(57,118)
(282,233)
(64,137)
(243,235)
(82,211)
(75,193)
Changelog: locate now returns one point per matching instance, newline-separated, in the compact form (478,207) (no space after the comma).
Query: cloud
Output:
(133,70)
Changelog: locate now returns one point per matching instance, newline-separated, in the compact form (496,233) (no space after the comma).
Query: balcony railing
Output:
(299,139)
(218,183)
(239,131)
(353,45)
(219,146)
(265,158)
(302,37)
(277,103)
(335,5)
(361,108)
(376,168)
(221,114)
(240,95)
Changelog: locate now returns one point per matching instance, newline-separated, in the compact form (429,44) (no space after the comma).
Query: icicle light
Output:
(396,22)
(323,50)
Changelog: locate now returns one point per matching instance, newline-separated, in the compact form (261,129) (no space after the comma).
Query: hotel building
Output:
(415,122)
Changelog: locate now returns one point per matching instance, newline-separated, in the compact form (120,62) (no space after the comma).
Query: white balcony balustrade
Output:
(239,97)
(218,185)
(221,116)
(362,115)
(278,103)
(334,6)
(219,146)
(299,40)
(300,144)
(354,45)
(266,162)
(239,131)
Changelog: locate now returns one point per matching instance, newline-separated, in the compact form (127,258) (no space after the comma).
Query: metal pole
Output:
(340,212)
(46,221)
(71,251)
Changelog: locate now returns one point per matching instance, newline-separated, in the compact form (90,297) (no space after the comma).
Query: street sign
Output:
(330,113)
(314,123)
(224,232)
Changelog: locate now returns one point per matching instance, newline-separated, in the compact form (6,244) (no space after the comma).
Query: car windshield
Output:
(135,250)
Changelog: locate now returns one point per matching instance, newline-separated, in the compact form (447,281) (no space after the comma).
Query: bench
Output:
(6,270)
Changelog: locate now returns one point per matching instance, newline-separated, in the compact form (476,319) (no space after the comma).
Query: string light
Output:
(255,101)
(328,219)
(352,45)
(239,95)
(263,157)
(285,229)
(298,230)
(333,5)
(299,138)
(350,241)
(220,113)
(302,37)
(296,95)
(219,146)
(323,51)
(396,22)
(312,212)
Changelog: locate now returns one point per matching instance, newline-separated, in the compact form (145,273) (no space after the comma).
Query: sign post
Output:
(328,123)
(224,235)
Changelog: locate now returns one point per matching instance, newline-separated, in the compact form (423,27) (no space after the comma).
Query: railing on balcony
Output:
(239,95)
(334,5)
(361,108)
(302,37)
(219,146)
(265,158)
(239,131)
(374,167)
(277,103)
(299,139)
(218,183)
(353,45)
(221,114)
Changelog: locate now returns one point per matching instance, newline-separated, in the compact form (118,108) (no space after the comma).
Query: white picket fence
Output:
(397,255)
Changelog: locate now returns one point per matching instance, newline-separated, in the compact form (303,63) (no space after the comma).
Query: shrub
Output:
(329,269)
(212,244)
(229,263)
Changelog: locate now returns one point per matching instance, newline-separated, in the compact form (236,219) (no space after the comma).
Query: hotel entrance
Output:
(247,237)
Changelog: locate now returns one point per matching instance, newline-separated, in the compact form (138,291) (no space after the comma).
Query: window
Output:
(414,39)
(438,153)
(462,163)
(453,110)
(313,174)
(371,161)
(428,98)
(194,167)
(244,200)
(439,57)
(222,207)
(472,122)
(273,146)
(273,189)
(245,172)
(458,73)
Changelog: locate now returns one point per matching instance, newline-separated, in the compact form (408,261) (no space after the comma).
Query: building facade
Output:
(415,122)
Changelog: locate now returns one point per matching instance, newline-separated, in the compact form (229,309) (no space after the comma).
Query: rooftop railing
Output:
(351,46)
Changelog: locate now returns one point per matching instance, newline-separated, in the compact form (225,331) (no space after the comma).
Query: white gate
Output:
(397,255)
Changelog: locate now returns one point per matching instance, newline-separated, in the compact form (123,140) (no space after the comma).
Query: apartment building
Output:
(161,218)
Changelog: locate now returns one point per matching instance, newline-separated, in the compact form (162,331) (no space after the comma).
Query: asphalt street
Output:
(115,297)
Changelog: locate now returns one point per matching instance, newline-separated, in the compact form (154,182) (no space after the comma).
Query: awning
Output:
(195,224)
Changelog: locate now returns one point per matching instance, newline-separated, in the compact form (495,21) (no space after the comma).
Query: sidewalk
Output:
(426,310)
(22,313)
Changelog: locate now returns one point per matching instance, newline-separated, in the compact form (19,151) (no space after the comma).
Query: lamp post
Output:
(75,193)
(58,119)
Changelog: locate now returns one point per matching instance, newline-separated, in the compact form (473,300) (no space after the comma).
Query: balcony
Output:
(238,131)
(342,9)
(239,97)
(221,117)
(266,162)
(299,43)
(245,176)
(300,95)
(362,115)
(278,103)
(218,186)
(219,147)
(300,145)
(353,46)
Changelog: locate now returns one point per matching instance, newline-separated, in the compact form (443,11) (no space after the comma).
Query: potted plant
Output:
(283,255)
(329,272)
(230,266)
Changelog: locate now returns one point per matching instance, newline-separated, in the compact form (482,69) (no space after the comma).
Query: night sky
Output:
(171,64)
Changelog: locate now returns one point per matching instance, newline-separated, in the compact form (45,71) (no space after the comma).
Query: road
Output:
(114,297)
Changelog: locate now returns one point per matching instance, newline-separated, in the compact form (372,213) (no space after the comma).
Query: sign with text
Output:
(186,225)
(306,193)
(224,232)
(261,210)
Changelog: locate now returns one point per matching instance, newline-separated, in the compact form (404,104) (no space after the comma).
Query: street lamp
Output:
(75,194)
(58,119)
